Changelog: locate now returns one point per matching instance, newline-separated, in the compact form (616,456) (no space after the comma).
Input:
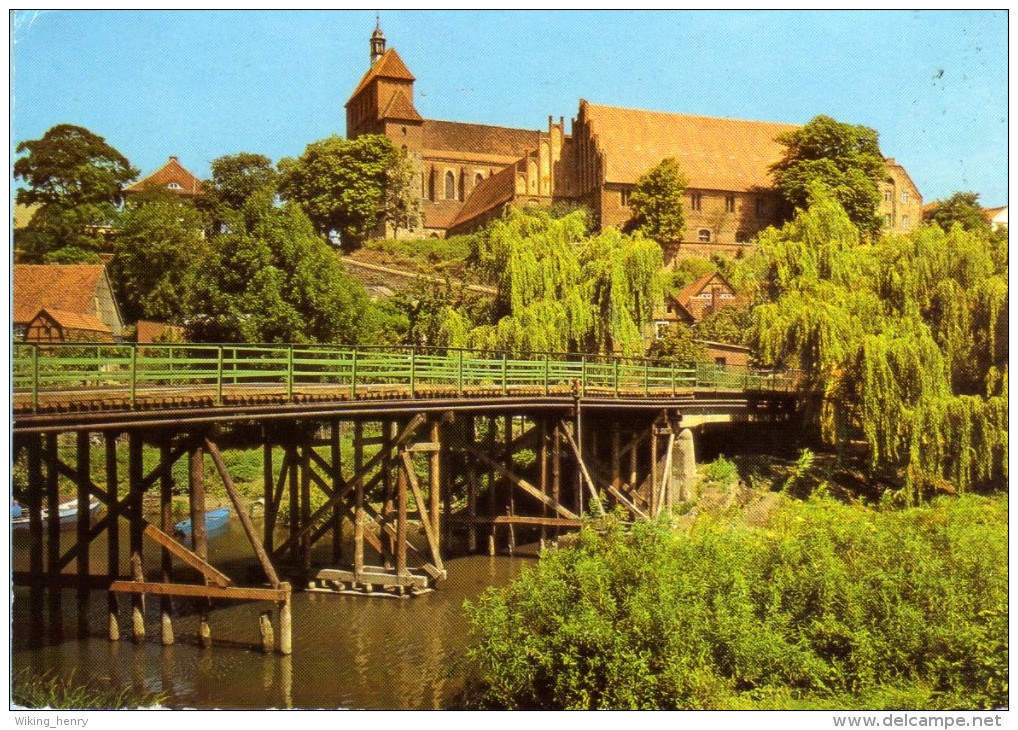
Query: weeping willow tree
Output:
(560,289)
(902,342)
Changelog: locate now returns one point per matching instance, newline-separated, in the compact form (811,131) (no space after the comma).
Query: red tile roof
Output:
(490,193)
(481,138)
(400,107)
(75,320)
(62,287)
(389,66)
(440,213)
(170,173)
(713,153)
(688,298)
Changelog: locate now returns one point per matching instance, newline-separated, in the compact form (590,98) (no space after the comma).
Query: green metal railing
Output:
(48,368)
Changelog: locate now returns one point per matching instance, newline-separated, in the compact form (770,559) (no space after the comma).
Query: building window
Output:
(729,203)
(904,222)
(888,196)
(761,206)
(695,201)
(625,197)
(450,186)
(720,361)
(703,236)
(888,221)
(478,178)
(661,330)
(404,132)
(904,196)
(174,186)
(741,237)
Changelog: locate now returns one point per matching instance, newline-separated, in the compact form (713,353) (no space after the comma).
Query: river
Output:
(348,651)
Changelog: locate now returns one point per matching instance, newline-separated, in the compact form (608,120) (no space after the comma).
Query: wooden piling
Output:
(542,455)
(267,634)
(653,469)
(285,623)
(469,438)
(35,530)
(294,501)
(387,491)
(305,511)
(135,478)
(199,538)
(435,487)
(358,527)
(401,497)
(112,534)
(337,483)
(53,536)
(166,525)
(83,471)
(268,479)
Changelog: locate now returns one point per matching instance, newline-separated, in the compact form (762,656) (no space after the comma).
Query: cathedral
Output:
(469,173)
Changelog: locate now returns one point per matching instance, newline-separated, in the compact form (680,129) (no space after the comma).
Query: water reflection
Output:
(349,651)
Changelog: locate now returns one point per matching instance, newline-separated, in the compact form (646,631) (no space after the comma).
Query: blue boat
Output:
(215,522)
(67,513)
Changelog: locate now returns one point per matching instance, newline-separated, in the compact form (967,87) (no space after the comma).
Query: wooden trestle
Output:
(416,489)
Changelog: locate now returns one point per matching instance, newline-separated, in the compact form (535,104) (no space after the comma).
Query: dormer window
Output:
(174,186)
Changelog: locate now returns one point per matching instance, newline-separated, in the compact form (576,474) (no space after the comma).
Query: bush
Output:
(50,690)
(721,471)
(834,606)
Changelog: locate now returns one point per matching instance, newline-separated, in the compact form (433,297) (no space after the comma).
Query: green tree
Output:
(159,238)
(341,185)
(402,198)
(961,208)
(678,346)
(656,202)
(728,324)
(846,158)
(78,179)
(901,343)
(273,280)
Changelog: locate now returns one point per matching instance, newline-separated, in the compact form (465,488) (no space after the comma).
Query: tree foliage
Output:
(902,342)
(962,208)
(343,186)
(561,289)
(159,239)
(402,205)
(845,158)
(274,280)
(656,202)
(78,180)
(678,346)
(833,606)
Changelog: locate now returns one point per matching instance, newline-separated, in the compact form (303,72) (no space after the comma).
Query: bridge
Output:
(376,462)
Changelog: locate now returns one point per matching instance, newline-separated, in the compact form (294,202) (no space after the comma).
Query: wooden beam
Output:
(433,445)
(429,528)
(358,517)
(245,519)
(516,520)
(594,496)
(522,483)
(336,497)
(233,593)
(187,557)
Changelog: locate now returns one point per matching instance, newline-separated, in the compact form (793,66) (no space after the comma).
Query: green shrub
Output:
(721,471)
(834,606)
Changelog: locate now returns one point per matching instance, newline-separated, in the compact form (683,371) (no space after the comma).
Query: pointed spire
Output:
(377,41)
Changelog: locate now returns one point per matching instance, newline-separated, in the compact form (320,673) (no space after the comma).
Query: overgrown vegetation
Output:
(50,690)
(831,606)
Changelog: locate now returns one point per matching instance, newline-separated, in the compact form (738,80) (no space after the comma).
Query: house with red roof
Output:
(173,177)
(65,303)
(707,295)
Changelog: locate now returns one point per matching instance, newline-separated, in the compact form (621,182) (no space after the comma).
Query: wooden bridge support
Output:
(42,496)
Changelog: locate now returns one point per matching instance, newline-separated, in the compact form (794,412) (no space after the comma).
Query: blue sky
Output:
(203,84)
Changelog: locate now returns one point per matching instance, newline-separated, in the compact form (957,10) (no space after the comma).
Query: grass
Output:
(431,252)
(50,690)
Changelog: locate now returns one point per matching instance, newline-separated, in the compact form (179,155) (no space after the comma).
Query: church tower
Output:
(383,102)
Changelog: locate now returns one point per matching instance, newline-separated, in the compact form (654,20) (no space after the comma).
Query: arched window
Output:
(703,236)
(174,186)
(450,186)
(478,178)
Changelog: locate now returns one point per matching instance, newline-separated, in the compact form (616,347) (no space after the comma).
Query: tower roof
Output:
(389,66)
